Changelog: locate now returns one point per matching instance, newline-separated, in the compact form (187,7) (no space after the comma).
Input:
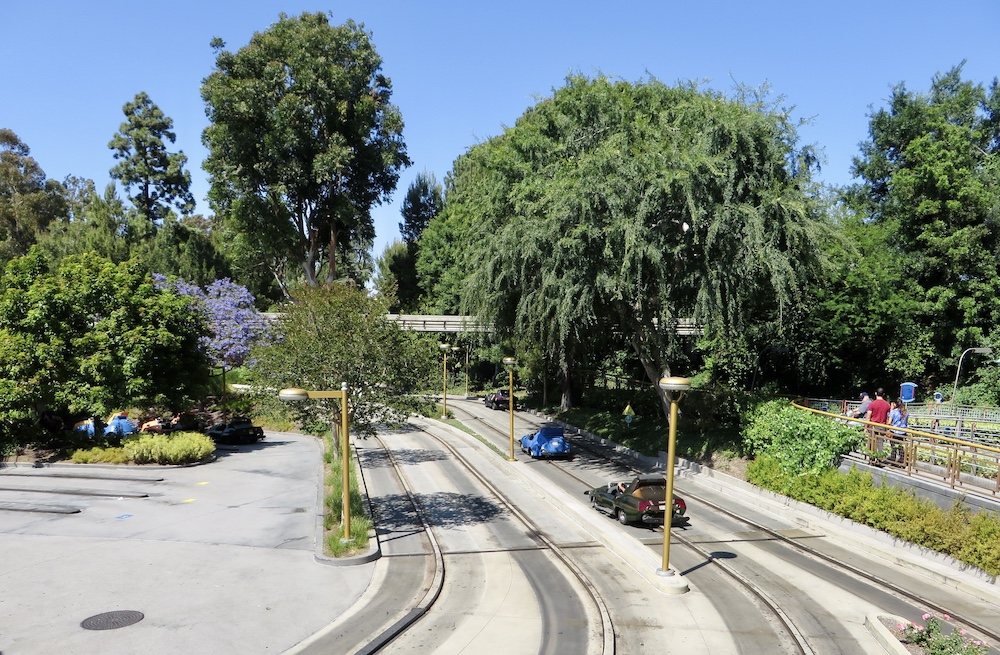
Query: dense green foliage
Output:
(89,337)
(801,442)
(423,201)
(28,201)
(334,334)
(930,190)
(107,227)
(970,538)
(397,274)
(303,141)
(611,210)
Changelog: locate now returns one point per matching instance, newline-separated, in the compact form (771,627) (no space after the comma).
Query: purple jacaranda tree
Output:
(234,321)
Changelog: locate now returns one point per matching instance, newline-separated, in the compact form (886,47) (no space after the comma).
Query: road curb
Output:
(883,635)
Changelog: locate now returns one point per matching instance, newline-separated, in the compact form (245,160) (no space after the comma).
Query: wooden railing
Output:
(959,463)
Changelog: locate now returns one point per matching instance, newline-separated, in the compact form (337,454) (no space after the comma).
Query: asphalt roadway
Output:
(218,558)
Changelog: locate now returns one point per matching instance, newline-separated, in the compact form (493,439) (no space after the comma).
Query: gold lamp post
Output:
(454,351)
(291,395)
(509,362)
(673,388)
(444,348)
(466,373)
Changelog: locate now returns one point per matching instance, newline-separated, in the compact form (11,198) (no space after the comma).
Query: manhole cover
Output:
(112,620)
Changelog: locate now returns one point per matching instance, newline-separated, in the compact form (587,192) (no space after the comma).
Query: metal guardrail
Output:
(959,463)
(968,422)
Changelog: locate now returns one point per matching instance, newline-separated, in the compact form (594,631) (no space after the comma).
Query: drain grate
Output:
(112,620)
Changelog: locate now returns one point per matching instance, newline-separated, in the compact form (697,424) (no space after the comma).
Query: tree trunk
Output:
(566,401)
(332,268)
(653,374)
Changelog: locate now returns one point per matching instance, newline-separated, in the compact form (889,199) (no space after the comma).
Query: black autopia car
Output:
(497,400)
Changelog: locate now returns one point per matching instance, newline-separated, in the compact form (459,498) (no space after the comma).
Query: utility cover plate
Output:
(112,620)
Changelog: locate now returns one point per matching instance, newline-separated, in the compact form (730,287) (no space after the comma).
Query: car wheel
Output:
(622,517)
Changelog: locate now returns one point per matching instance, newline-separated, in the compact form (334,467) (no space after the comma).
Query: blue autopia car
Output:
(549,441)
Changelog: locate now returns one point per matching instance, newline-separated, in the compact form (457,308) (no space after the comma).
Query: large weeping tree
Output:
(612,210)
(303,142)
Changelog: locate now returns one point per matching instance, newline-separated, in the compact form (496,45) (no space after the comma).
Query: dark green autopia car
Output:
(638,501)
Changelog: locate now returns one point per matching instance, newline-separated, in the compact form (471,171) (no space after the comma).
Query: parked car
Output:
(497,400)
(239,430)
(548,441)
(638,501)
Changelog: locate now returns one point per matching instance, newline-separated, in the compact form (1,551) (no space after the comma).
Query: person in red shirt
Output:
(878,411)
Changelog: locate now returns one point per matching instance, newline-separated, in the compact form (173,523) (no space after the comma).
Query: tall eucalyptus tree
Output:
(28,201)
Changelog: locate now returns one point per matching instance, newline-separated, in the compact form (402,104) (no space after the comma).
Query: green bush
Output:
(931,640)
(970,538)
(801,442)
(98,455)
(174,448)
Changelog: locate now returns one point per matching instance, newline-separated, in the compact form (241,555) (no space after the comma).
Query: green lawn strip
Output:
(333,505)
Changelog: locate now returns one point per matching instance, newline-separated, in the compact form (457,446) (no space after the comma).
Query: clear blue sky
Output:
(462,71)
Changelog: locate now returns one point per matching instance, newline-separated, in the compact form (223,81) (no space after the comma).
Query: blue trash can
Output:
(908,392)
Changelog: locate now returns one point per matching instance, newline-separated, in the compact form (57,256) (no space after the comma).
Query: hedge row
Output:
(972,538)
(174,448)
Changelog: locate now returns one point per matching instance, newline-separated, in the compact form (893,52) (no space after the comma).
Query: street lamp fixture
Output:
(978,351)
(673,389)
(510,362)
(294,395)
(444,348)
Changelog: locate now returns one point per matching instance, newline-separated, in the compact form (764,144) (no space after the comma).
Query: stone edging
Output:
(883,635)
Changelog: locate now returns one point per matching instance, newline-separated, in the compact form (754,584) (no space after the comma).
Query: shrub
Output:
(982,544)
(98,455)
(933,641)
(973,539)
(173,448)
(801,442)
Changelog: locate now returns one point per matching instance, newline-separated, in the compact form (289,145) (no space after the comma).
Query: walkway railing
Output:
(959,463)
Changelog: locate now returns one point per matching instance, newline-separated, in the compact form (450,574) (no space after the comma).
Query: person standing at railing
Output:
(862,409)
(878,412)
(898,418)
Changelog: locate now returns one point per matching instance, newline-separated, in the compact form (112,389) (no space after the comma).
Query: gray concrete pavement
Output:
(219,558)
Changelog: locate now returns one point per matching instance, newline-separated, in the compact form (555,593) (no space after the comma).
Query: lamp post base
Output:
(671,582)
